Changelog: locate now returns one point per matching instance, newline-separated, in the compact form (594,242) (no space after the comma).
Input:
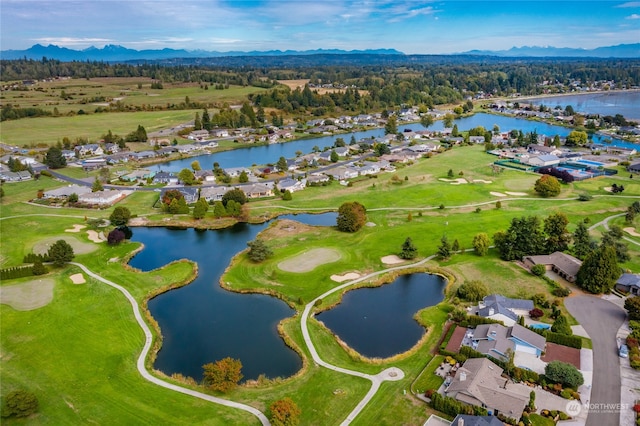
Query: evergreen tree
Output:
(334,157)
(206,120)
(286,196)
(455,247)
(243,178)
(60,253)
(120,216)
(391,127)
(558,237)
(258,250)
(281,165)
(54,158)
(481,244)
(582,243)
(197,123)
(97,185)
(409,251)
(599,271)
(219,210)
(200,209)
(444,249)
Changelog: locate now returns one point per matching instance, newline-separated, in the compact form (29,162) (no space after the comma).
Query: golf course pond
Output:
(377,322)
(202,322)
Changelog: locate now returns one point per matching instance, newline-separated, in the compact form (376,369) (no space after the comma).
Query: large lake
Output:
(626,103)
(378,321)
(202,322)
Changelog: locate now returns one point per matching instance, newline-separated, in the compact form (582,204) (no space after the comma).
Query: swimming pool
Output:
(541,326)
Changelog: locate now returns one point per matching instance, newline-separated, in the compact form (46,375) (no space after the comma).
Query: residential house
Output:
(236,171)
(190,194)
(634,167)
(476,139)
(479,382)
(198,135)
(94,163)
(142,155)
(220,133)
(566,266)
(187,148)
(69,154)
(257,190)
(342,151)
(369,169)
(65,191)
(468,420)
(629,283)
(101,198)
(291,185)
(500,308)
(213,193)
(27,161)
(167,178)
(496,340)
(91,149)
(7,176)
(111,148)
(136,175)
(545,150)
(121,157)
(205,176)
(317,179)
(342,173)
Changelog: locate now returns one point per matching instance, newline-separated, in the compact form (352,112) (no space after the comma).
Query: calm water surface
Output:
(603,103)
(246,157)
(202,322)
(378,322)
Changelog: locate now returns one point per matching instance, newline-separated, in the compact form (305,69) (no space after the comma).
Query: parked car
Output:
(623,352)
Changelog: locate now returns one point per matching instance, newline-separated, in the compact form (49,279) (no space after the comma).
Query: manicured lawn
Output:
(428,379)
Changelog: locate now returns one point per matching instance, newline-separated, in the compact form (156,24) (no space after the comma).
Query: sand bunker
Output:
(497,194)
(77,278)
(76,228)
(518,194)
(482,181)
(346,277)
(42,246)
(95,236)
(309,260)
(392,259)
(608,189)
(27,296)
(458,181)
(632,232)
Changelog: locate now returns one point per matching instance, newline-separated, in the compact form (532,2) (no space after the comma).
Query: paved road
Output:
(601,319)
(147,346)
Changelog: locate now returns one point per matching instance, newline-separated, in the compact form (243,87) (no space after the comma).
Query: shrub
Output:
(538,270)
(561,325)
(536,313)
(258,250)
(561,291)
(566,394)
(473,291)
(19,403)
(564,373)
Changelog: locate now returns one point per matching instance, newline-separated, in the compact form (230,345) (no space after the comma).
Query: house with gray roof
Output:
(496,339)
(479,382)
(500,308)
(629,283)
(468,420)
(65,191)
(544,160)
(213,193)
(291,185)
(101,198)
(566,266)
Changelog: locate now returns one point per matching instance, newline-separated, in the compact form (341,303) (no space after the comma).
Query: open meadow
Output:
(80,107)
(78,352)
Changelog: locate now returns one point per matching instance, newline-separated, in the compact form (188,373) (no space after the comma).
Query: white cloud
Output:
(630,4)
(73,41)
(634,16)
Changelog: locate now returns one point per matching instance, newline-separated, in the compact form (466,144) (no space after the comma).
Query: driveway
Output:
(601,319)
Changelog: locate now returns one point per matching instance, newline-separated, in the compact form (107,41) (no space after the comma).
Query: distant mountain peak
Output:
(619,51)
(117,53)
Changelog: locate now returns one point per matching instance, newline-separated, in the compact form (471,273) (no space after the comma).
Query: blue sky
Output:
(420,27)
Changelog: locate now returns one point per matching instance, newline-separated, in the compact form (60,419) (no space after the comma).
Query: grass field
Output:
(86,338)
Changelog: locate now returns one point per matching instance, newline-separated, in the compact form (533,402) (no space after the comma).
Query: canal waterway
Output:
(202,322)
(378,322)
(269,154)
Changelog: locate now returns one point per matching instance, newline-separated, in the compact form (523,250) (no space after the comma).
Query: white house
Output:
(102,198)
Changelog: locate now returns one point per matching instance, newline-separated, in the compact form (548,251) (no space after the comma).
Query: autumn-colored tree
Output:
(351,216)
(547,186)
(284,412)
(223,375)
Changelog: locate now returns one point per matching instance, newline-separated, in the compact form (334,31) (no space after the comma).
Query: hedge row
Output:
(559,338)
(475,320)
(16,272)
(454,407)
(446,339)
(33,258)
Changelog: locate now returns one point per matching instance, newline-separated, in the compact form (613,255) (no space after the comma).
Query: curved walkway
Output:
(605,223)
(147,346)
(390,374)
